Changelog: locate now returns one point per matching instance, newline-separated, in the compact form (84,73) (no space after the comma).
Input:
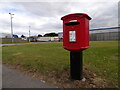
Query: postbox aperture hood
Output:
(76,14)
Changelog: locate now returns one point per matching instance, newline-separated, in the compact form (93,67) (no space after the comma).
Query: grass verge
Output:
(101,58)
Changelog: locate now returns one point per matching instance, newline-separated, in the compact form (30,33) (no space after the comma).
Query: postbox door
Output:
(71,35)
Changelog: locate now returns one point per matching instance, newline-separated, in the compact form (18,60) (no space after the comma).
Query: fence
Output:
(9,39)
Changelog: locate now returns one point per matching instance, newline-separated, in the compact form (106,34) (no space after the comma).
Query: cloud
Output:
(103,14)
(119,13)
(106,16)
(44,17)
(46,9)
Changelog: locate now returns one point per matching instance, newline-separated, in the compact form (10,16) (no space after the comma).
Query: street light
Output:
(11,25)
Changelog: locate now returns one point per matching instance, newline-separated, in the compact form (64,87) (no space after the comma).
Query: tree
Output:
(39,35)
(22,36)
(50,35)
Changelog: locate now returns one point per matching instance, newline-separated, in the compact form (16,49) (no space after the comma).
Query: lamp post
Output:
(11,26)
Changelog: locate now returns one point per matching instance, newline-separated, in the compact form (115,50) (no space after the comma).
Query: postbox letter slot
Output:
(72,23)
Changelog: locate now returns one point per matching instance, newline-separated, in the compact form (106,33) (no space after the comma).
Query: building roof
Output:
(105,28)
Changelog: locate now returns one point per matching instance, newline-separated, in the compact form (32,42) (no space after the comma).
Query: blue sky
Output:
(44,17)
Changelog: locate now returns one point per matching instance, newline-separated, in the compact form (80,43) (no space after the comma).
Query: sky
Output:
(45,16)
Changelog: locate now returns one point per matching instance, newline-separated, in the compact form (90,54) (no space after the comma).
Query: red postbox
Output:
(76,31)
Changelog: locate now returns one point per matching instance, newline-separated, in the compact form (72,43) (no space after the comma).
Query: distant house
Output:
(5,35)
(32,38)
(60,36)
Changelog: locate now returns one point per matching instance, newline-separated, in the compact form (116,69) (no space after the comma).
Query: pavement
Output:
(0,75)
(20,43)
(12,78)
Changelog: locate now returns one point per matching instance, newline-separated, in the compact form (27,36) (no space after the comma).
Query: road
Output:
(12,78)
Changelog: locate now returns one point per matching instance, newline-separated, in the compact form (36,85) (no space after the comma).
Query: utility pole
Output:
(29,33)
(11,26)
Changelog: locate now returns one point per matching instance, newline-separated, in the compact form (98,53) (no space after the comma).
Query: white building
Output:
(5,35)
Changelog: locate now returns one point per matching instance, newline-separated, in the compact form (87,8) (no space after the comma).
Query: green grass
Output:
(101,58)
(0,54)
(42,57)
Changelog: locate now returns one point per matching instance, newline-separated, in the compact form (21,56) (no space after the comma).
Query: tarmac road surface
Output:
(12,78)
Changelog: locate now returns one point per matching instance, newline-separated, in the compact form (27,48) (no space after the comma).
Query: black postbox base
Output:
(76,65)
